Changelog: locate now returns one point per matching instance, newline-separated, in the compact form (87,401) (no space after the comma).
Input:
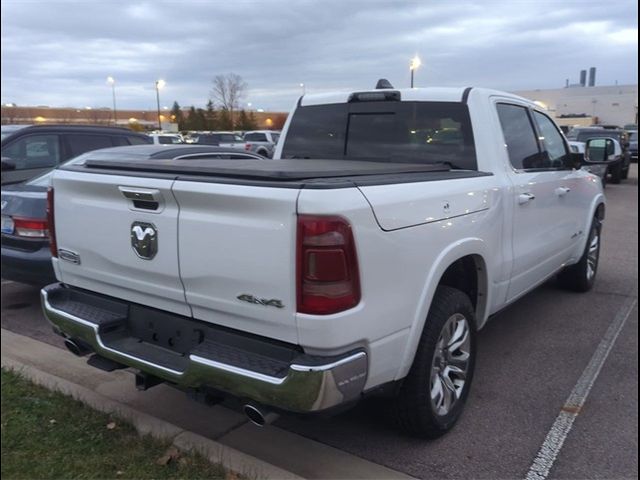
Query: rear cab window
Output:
(80,143)
(390,131)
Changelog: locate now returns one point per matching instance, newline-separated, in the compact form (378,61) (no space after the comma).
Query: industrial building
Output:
(586,103)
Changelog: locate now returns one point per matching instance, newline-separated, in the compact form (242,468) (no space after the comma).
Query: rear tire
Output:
(581,276)
(434,392)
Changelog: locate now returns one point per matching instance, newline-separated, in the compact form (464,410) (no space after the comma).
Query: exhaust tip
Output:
(254,415)
(259,417)
(76,347)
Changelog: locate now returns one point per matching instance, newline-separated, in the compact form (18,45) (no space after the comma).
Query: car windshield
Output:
(404,132)
(633,136)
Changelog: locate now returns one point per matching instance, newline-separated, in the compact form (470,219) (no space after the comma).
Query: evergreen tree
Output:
(201,120)
(253,121)
(243,121)
(211,116)
(225,121)
(177,116)
(190,123)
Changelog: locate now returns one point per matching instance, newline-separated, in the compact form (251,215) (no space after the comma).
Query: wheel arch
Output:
(462,266)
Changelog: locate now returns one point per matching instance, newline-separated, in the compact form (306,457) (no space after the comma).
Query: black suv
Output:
(618,170)
(32,150)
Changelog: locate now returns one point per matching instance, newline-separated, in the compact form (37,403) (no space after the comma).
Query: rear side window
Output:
(80,143)
(33,151)
(519,136)
(408,132)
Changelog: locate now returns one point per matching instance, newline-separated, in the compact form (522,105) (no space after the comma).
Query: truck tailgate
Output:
(94,225)
(237,255)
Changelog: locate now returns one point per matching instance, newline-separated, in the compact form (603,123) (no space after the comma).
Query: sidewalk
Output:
(223,435)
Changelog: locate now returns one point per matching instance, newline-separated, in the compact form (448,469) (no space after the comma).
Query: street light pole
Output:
(415,63)
(304,89)
(159,85)
(112,81)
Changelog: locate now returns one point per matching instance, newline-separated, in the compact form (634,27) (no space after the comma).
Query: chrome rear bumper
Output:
(310,384)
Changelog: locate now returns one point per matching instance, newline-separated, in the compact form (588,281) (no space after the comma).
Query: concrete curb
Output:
(145,424)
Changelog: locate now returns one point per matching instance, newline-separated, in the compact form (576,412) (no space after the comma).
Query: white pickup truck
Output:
(362,260)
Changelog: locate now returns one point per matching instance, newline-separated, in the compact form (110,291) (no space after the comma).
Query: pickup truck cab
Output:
(390,225)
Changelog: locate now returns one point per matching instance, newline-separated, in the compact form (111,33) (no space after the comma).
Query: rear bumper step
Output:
(239,364)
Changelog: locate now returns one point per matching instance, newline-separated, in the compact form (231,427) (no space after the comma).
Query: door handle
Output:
(562,191)
(525,198)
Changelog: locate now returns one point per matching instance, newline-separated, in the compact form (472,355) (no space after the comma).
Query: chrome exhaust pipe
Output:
(257,416)
(77,347)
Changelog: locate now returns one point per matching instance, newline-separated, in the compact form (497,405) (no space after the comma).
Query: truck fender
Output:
(595,204)
(454,252)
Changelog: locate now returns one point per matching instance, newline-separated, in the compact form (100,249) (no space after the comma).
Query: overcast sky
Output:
(59,53)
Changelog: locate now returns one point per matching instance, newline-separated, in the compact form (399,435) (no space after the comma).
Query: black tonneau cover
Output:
(272,170)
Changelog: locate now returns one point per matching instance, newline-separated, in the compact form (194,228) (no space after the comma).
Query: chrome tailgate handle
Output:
(147,199)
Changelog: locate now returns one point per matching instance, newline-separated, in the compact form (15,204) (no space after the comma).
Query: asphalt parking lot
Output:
(530,358)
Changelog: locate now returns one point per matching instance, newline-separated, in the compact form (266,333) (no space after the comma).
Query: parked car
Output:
(361,260)
(166,138)
(262,142)
(221,139)
(26,256)
(633,145)
(30,151)
(618,170)
(601,169)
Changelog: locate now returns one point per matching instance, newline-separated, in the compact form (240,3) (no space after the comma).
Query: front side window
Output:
(391,131)
(519,137)
(33,151)
(556,152)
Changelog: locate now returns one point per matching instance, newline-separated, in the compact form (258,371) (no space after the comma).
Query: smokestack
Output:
(583,78)
(592,77)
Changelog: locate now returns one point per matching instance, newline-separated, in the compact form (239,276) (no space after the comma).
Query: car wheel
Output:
(581,276)
(616,173)
(433,394)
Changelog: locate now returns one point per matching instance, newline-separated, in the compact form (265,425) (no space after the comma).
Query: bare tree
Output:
(227,92)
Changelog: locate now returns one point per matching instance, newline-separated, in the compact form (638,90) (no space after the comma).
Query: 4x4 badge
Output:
(267,302)
(144,239)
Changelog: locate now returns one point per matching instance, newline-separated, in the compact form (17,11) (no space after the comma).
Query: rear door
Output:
(237,255)
(117,235)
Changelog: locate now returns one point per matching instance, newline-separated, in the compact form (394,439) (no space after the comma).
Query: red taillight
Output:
(53,246)
(30,227)
(328,280)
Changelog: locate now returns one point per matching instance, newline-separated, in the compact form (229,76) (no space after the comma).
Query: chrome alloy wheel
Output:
(450,364)
(593,253)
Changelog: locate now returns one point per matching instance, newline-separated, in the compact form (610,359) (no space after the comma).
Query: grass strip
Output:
(49,435)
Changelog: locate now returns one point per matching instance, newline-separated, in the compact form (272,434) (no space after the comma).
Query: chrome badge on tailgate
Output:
(144,239)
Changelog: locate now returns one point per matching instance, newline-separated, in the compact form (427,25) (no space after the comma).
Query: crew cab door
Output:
(542,225)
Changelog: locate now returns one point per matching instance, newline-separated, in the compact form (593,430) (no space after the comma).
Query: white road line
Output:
(562,426)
